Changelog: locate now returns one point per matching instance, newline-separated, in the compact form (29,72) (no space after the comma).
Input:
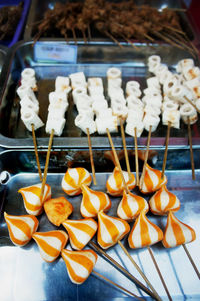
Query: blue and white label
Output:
(55,52)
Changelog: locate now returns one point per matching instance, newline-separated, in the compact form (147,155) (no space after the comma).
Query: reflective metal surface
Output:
(3,53)
(38,9)
(93,59)
(25,276)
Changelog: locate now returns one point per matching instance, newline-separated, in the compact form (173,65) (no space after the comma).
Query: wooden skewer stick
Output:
(120,268)
(174,29)
(148,37)
(192,104)
(113,38)
(191,44)
(166,149)
(191,260)
(179,41)
(74,35)
(159,273)
(191,151)
(91,157)
(146,157)
(46,164)
(163,37)
(117,161)
(129,42)
(177,9)
(139,270)
(117,285)
(136,158)
(125,149)
(89,32)
(36,152)
(84,36)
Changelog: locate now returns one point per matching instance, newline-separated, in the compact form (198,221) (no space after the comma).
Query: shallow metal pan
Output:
(38,9)
(93,59)
(25,276)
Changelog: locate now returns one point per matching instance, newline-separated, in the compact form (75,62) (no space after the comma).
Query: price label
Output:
(55,52)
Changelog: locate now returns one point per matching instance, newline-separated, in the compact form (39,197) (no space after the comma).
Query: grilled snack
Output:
(58,210)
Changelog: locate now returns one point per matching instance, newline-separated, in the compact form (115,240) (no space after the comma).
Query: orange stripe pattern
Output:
(80,231)
(152,180)
(164,201)
(144,233)
(31,197)
(115,185)
(74,178)
(93,202)
(21,228)
(79,264)
(131,205)
(110,230)
(177,233)
(50,243)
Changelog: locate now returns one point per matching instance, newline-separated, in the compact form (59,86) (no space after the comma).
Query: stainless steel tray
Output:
(36,14)
(93,59)
(25,276)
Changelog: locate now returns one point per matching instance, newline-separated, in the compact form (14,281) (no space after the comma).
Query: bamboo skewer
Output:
(166,149)
(89,32)
(139,270)
(174,29)
(191,151)
(176,40)
(183,37)
(36,152)
(84,36)
(117,161)
(159,273)
(136,157)
(162,36)
(46,164)
(191,260)
(125,149)
(146,157)
(192,45)
(117,285)
(149,37)
(74,35)
(91,157)
(129,42)
(113,38)
(192,104)
(121,269)
(127,191)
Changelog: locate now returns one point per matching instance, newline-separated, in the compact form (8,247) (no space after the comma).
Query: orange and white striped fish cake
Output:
(93,202)
(144,233)
(110,230)
(74,178)
(80,231)
(115,185)
(131,205)
(50,243)
(21,228)
(79,264)
(177,233)
(31,197)
(152,180)
(164,201)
